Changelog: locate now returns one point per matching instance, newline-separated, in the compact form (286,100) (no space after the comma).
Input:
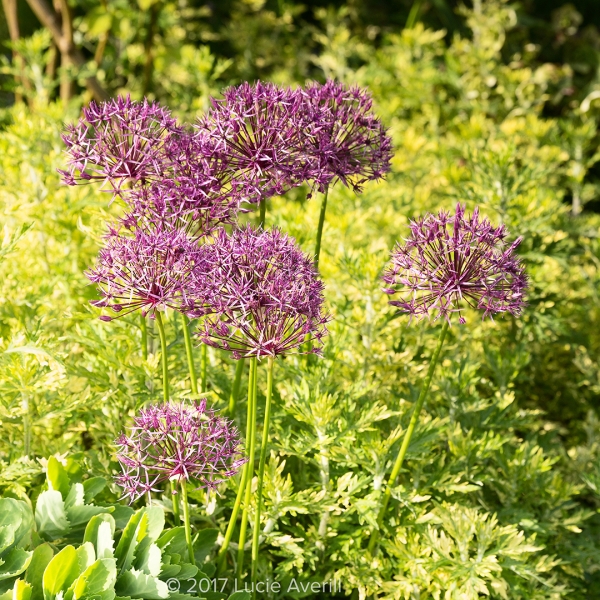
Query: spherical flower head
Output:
(258,130)
(177,441)
(117,142)
(345,141)
(449,263)
(260,295)
(149,270)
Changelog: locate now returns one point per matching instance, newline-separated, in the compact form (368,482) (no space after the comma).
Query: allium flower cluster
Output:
(451,262)
(150,271)
(258,128)
(118,142)
(259,295)
(195,196)
(177,442)
(344,140)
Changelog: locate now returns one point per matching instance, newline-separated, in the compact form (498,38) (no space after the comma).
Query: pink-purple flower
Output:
(258,130)
(149,270)
(451,262)
(343,139)
(118,142)
(258,295)
(177,442)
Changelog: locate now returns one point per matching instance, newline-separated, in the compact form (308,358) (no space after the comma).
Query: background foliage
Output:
(501,492)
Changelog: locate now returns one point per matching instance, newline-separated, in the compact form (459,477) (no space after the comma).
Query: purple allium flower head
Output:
(195,196)
(451,262)
(177,441)
(345,141)
(118,142)
(150,270)
(258,130)
(260,294)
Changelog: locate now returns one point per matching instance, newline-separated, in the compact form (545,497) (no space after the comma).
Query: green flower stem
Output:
(26,425)
(261,471)
(245,471)
(188,350)
(248,492)
(163,348)
(320,227)
(405,442)
(186,521)
(165,374)
(413,15)
(204,366)
(144,328)
(263,212)
(235,389)
(175,503)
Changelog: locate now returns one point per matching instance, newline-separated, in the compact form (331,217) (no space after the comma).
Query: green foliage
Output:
(500,492)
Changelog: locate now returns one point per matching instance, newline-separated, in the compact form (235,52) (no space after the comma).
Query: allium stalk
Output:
(248,467)
(320,226)
(407,436)
(448,264)
(250,470)
(235,388)
(261,473)
(189,353)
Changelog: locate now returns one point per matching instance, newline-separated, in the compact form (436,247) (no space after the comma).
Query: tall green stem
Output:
(26,425)
(188,350)
(204,367)
(261,472)
(165,376)
(320,227)
(163,349)
(144,328)
(175,503)
(246,470)
(413,15)
(235,388)
(263,212)
(406,441)
(186,521)
(250,470)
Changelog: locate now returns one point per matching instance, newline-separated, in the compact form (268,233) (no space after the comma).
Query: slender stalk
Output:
(26,425)
(250,464)
(144,328)
(320,227)
(175,503)
(163,348)
(204,367)
(413,15)
(261,472)
(263,212)
(188,350)
(245,470)
(186,521)
(235,389)
(406,441)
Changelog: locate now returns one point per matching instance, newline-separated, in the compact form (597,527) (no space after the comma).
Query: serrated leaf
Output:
(100,531)
(136,584)
(98,578)
(17,515)
(50,515)
(22,590)
(15,562)
(79,515)
(86,555)
(239,596)
(75,497)
(7,537)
